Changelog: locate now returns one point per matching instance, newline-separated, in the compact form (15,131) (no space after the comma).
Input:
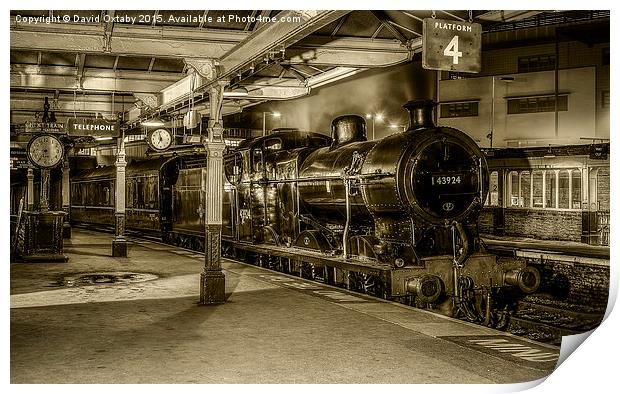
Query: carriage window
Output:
(550,189)
(139,202)
(576,192)
(525,189)
(564,187)
(513,181)
(106,196)
(537,193)
(233,168)
(273,144)
(151,190)
(493,198)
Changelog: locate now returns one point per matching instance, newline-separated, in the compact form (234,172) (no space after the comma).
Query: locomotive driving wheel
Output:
(367,284)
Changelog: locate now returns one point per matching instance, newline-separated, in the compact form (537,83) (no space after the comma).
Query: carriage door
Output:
(168,176)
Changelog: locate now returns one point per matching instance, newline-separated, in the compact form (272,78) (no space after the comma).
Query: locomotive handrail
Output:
(324,178)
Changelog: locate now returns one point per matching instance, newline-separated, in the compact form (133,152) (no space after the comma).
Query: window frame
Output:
(545,176)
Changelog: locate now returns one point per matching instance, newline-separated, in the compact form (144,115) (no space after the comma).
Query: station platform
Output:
(137,320)
(583,252)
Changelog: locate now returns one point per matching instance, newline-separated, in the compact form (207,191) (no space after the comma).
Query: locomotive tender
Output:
(395,217)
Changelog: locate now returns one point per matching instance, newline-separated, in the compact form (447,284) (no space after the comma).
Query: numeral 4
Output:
(453,50)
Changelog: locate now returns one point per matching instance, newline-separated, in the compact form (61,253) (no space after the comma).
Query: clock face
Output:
(160,139)
(45,151)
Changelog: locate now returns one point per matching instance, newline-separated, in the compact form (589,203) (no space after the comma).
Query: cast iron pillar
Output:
(30,190)
(66,202)
(119,244)
(212,281)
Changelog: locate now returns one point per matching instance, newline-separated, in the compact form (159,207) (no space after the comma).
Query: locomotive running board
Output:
(394,279)
(316,258)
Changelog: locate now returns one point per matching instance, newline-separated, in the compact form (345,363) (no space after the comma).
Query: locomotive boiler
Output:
(396,217)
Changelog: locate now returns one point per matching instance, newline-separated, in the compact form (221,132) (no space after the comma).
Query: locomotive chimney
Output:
(420,114)
(347,129)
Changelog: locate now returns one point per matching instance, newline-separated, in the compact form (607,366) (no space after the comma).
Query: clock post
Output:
(119,244)
(40,236)
(30,189)
(66,202)
(44,200)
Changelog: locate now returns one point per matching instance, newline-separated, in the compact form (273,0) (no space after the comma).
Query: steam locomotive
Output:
(395,217)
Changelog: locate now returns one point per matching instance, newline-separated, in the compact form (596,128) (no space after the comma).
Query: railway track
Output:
(541,321)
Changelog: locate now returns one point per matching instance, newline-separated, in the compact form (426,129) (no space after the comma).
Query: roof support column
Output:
(119,244)
(212,280)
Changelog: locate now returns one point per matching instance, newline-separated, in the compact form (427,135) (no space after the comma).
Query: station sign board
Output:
(84,127)
(47,127)
(19,158)
(450,45)
(599,152)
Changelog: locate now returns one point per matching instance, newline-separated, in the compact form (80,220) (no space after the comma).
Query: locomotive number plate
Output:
(446,180)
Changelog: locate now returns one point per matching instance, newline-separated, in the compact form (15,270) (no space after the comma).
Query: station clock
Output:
(159,139)
(45,151)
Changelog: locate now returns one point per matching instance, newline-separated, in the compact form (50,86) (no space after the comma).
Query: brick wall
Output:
(543,224)
(576,283)
(602,188)
(536,223)
(485,221)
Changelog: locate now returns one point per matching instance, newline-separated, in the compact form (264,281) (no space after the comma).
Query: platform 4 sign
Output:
(450,45)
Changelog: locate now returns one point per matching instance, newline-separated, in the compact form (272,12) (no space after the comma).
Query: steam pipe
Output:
(466,244)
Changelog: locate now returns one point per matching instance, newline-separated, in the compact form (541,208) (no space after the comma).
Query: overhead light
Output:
(333,75)
(192,119)
(276,114)
(103,138)
(368,116)
(237,92)
(155,122)
(379,116)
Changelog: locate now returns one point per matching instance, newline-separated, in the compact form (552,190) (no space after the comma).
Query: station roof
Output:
(136,63)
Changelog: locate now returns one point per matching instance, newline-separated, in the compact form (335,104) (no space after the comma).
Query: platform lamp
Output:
(378,117)
(398,126)
(274,114)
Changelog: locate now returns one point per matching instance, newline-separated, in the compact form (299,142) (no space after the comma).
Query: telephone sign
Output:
(451,45)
